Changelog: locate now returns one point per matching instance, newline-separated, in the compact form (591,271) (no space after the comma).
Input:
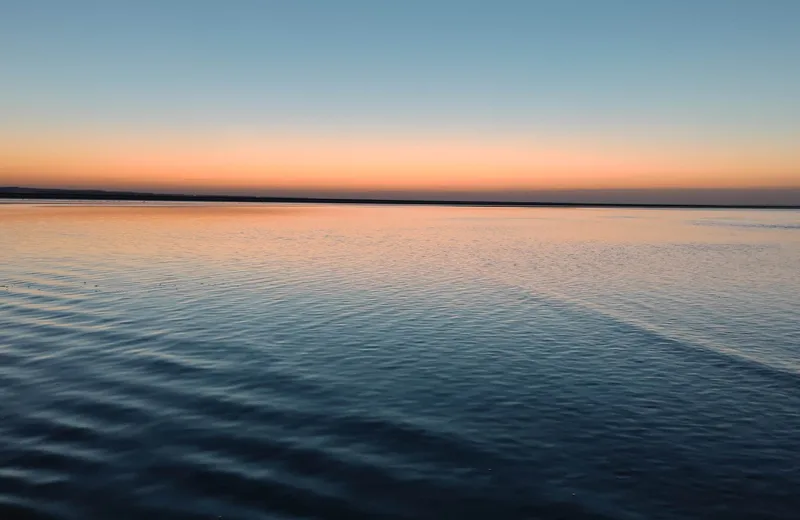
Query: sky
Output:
(475,99)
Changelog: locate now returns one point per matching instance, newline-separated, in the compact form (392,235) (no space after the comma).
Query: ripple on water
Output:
(399,363)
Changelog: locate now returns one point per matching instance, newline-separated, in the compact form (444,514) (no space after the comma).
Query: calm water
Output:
(259,362)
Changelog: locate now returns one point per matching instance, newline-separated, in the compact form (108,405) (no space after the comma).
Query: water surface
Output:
(260,362)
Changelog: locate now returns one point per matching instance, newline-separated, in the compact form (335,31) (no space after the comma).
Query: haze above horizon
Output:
(505,100)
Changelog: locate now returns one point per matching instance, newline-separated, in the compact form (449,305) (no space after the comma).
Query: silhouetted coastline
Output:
(97,195)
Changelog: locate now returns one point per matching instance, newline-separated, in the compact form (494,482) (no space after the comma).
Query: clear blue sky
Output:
(717,64)
(725,71)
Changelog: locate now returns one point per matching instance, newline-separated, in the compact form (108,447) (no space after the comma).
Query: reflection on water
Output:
(269,361)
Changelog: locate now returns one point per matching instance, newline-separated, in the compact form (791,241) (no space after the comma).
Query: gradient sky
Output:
(412,96)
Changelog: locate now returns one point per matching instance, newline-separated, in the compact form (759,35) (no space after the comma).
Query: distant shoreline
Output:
(99,195)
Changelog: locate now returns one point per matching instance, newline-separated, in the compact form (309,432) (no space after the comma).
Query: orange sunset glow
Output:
(236,162)
(475,101)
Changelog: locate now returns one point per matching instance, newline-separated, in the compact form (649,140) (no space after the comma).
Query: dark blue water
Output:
(400,363)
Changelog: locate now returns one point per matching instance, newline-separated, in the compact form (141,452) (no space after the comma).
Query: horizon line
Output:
(18,192)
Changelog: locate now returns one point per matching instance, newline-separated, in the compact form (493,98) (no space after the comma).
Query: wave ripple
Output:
(399,363)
